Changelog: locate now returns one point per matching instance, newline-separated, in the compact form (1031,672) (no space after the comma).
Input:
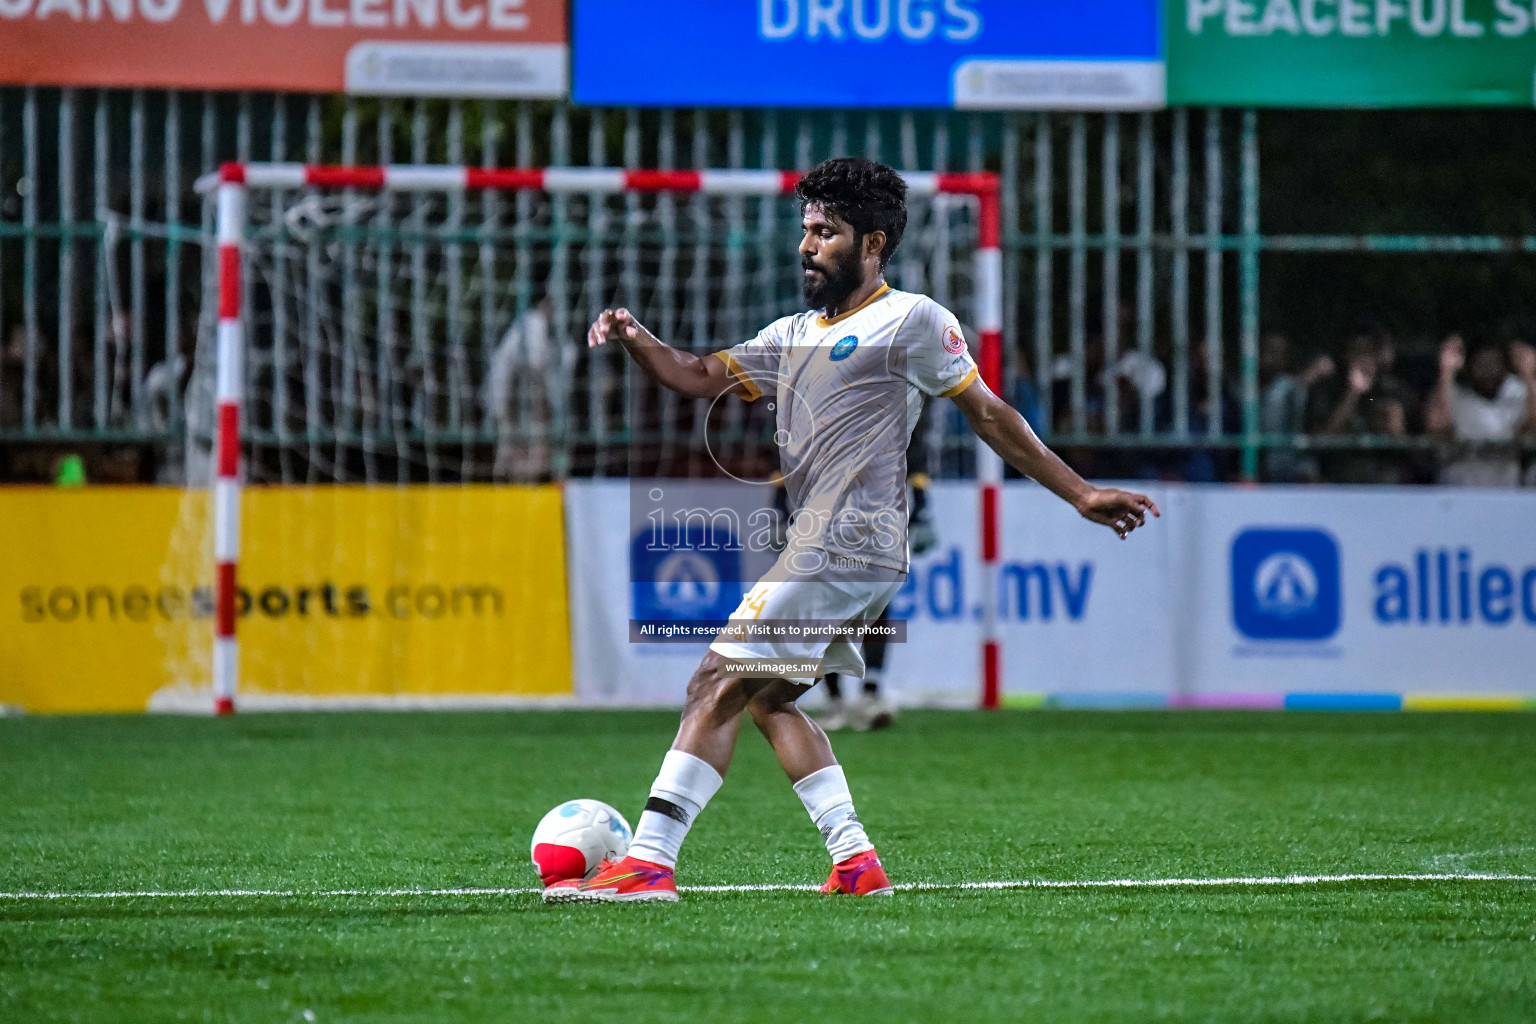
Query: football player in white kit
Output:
(846,379)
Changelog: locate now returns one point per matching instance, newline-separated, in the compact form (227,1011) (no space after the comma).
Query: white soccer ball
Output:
(575,837)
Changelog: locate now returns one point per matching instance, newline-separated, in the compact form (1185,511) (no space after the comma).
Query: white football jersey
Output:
(847,392)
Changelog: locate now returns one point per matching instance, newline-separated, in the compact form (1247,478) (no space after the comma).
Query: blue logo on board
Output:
(692,574)
(843,349)
(1285,584)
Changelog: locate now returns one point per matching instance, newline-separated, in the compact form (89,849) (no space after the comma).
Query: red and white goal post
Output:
(236,181)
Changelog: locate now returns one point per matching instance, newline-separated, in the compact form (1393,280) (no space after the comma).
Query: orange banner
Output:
(489,48)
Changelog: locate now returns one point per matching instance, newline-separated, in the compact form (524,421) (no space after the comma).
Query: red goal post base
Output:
(234,180)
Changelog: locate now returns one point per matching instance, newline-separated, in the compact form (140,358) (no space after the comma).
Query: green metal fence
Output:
(1133,248)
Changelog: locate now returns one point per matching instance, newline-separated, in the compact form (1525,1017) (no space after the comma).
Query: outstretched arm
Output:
(999,424)
(683,372)
(1439,411)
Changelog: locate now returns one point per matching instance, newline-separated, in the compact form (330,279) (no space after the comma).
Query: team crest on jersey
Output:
(954,341)
(843,349)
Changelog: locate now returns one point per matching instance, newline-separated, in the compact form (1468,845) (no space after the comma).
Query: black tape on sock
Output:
(668,808)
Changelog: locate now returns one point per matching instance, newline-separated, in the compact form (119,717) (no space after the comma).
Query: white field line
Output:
(1041,883)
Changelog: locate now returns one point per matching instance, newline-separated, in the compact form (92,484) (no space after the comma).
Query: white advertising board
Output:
(1261,596)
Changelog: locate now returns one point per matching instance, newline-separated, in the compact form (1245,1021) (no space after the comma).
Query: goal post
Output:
(228,373)
(237,245)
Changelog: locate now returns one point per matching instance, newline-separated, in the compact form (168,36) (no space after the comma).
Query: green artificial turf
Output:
(383,801)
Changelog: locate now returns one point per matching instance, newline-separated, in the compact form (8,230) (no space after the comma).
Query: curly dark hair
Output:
(866,195)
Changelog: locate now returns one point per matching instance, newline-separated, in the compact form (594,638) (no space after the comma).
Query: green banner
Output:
(1352,53)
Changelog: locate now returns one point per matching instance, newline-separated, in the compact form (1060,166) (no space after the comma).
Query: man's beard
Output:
(832,287)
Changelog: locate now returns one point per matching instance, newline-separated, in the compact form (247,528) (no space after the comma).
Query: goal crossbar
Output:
(234,180)
(445,178)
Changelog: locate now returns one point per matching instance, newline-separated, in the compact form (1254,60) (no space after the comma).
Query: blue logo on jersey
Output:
(843,349)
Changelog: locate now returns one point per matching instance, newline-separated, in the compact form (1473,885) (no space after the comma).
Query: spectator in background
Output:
(1136,377)
(1283,407)
(1365,399)
(45,379)
(1220,408)
(161,382)
(1025,395)
(1492,405)
(12,367)
(1389,385)
(524,393)
(1140,381)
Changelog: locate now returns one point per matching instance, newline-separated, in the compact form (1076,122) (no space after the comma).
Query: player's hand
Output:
(1453,356)
(1362,375)
(613,325)
(1121,511)
(1320,368)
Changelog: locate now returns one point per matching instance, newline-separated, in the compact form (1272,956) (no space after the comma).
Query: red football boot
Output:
(629,881)
(859,875)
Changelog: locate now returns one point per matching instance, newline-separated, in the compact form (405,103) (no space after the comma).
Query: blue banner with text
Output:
(972,54)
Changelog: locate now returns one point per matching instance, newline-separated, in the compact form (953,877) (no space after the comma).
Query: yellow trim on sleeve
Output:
(753,391)
(952,392)
(822,321)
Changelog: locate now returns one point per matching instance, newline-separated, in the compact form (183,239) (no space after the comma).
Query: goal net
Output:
(422,326)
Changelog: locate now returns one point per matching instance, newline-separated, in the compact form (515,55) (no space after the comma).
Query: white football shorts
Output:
(832,595)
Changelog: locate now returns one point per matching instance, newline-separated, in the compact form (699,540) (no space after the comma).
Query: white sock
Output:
(830,805)
(682,788)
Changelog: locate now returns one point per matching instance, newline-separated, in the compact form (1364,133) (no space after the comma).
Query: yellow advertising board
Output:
(346,594)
